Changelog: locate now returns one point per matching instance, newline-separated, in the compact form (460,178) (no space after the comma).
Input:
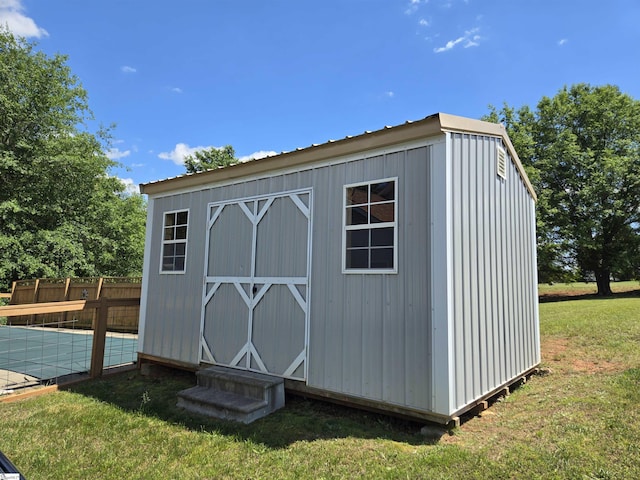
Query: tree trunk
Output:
(604,282)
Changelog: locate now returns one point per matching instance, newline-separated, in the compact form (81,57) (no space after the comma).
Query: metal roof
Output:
(351,144)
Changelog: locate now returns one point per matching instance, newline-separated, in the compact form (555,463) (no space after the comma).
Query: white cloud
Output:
(178,154)
(473,41)
(182,150)
(449,45)
(562,41)
(12,16)
(257,155)
(127,69)
(423,22)
(389,94)
(176,90)
(130,186)
(414,5)
(469,39)
(117,154)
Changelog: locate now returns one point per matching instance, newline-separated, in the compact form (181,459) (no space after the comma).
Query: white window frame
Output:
(174,242)
(370,226)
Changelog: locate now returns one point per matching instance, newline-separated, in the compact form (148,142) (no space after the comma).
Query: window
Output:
(370,227)
(174,241)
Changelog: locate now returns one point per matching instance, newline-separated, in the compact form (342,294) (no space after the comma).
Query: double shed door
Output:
(255,308)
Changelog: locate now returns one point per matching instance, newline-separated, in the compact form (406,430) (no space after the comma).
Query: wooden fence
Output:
(100,306)
(122,318)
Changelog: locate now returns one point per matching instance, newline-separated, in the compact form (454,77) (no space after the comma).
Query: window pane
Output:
(167,264)
(168,233)
(181,248)
(358,258)
(382,212)
(169,250)
(382,192)
(179,264)
(358,195)
(357,215)
(181,233)
(382,258)
(357,238)
(170,219)
(382,237)
(182,218)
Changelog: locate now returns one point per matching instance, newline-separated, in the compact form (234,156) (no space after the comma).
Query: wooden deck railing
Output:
(99,326)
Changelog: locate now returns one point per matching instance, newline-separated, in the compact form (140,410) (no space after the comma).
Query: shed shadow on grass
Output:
(300,420)
(561,297)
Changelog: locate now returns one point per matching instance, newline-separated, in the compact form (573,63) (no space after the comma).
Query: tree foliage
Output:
(210,158)
(61,213)
(581,149)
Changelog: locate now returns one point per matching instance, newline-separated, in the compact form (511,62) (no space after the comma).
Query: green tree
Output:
(582,151)
(113,229)
(210,158)
(57,198)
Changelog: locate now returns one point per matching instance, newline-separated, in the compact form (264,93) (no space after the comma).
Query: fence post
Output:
(99,288)
(36,291)
(67,284)
(99,337)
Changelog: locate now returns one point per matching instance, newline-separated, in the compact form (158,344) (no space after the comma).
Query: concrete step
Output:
(242,382)
(232,394)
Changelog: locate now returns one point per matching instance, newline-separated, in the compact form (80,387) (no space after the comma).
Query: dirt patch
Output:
(586,366)
(559,356)
(553,348)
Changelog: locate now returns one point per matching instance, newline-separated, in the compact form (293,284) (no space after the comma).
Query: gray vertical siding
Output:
(369,335)
(174,301)
(275,257)
(230,243)
(494,315)
(226,312)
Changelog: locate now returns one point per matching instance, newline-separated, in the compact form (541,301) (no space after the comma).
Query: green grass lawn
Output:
(581,419)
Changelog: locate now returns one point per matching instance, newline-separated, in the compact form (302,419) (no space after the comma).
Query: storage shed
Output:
(394,270)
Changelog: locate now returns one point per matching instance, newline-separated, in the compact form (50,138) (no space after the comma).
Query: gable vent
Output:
(501,159)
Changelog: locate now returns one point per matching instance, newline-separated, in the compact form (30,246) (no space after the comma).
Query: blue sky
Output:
(274,75)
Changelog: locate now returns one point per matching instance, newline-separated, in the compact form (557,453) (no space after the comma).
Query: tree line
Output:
(63,214)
